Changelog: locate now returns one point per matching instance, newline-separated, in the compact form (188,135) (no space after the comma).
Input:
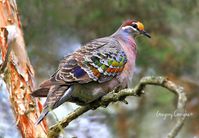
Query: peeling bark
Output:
(18,73)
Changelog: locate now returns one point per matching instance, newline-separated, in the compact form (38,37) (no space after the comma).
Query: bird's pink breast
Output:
(129,47)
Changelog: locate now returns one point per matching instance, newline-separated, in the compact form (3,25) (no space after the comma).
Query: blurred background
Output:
(53,29)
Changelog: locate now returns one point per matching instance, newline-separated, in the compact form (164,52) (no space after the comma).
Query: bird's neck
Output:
(127,38)
(128,44)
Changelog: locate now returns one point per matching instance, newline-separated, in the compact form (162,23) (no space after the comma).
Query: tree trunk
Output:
(18,73)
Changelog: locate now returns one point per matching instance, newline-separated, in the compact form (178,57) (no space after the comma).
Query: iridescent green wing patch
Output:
(106,63)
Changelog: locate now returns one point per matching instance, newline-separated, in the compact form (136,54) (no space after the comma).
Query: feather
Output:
(54,95)
(98,61)
(90,63)
(42,115)
(41,92)
(78,72)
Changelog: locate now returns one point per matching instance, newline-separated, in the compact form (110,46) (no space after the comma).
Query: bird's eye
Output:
(135,25)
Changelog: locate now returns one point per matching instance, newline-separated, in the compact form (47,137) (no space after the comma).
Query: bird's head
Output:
(135,28)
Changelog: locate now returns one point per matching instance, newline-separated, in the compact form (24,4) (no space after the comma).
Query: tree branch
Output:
(120,96)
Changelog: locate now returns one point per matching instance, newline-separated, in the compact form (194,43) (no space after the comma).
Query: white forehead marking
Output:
(129,27)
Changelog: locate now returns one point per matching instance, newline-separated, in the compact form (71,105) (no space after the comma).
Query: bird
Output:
(97,68)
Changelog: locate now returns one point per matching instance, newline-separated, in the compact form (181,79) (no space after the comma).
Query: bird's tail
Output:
(44,88)
(56,96)
(41,92)
(42,115)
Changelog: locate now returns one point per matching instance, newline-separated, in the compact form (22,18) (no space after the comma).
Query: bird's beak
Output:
(145,33)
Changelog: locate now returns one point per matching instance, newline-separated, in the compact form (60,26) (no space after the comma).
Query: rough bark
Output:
(18,73)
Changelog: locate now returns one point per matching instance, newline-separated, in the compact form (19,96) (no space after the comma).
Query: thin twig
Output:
(120,96)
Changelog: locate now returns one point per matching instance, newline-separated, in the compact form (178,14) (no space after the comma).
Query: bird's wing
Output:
(99,60)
